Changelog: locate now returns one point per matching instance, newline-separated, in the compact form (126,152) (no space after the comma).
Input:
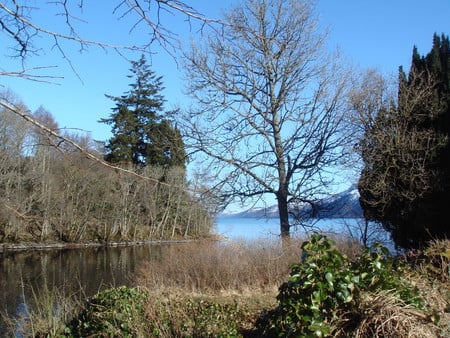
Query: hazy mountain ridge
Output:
(341,205)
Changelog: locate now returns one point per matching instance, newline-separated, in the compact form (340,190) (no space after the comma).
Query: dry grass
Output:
(225,286)
(47,311)
(217,267)
(214,287)
(212,282)
(230,267)
(385,315)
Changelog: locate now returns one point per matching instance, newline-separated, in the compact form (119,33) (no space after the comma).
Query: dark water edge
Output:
(27,246)
(27,274)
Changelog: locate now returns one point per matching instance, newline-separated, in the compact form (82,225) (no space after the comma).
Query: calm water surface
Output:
(80,272)
(235,228)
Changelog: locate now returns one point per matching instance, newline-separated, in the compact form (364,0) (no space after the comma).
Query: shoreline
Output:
(35,246)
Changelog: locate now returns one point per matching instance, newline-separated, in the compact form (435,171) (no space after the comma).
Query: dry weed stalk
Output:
(217,267)
(385,315)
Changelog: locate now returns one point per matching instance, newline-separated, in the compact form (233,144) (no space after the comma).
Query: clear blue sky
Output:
(370,33)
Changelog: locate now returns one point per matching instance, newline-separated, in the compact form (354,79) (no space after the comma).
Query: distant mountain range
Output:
(341,205)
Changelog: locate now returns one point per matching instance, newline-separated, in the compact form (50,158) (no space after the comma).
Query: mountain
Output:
(341,205)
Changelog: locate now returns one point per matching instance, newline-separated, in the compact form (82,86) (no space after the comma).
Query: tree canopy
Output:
(142,133)
(405,182)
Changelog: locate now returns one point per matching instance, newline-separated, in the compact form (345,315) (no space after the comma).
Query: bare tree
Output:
(24,36)
(55,187)
(270,101)
(14,144)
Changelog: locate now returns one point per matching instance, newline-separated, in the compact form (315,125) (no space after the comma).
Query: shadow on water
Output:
(67,271)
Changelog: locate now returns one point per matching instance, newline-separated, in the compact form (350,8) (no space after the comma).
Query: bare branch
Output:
(17,22)
(24,22)
(27,74)
(270,103)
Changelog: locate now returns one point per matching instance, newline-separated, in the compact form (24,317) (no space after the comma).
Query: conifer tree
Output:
(405,184)
(142,132)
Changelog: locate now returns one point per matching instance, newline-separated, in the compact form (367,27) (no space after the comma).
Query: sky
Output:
(370,34)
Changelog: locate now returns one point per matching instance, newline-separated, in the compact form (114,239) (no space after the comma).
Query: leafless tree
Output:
(270,99)
(14,143)
(50,190)
(24,36)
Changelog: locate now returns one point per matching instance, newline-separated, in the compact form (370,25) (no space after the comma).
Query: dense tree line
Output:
(405,182)
(50,191)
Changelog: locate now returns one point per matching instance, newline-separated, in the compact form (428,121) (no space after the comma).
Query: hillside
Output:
(341,205)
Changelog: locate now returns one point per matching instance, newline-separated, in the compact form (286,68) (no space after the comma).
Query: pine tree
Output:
(142,133)
(167,147)
(406,154)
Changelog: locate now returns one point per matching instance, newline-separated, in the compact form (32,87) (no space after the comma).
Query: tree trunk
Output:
(284,215)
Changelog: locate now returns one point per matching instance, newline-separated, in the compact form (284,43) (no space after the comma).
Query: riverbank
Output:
(16,247)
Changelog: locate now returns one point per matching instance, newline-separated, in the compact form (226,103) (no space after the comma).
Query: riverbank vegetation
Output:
(313,288)
(64,187)
(67,198)
(51,192)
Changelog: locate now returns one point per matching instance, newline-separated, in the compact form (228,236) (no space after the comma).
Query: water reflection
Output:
(23,275)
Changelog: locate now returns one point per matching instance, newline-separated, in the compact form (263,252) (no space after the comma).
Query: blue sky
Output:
(370,33)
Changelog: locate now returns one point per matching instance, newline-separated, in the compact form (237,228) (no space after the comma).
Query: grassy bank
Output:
(212,289)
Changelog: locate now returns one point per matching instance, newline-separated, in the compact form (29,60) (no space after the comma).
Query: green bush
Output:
(326,285)
(115,312)
(190,316)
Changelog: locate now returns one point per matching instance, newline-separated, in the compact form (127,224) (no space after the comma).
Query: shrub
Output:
(190,316)
(326,287)
(115,312)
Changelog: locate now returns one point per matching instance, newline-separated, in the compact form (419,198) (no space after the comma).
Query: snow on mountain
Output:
(341,205)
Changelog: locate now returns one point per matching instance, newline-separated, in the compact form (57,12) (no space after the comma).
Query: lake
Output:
(246,228)
(86,271)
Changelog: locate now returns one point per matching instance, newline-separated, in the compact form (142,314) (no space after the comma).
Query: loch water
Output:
(58,273)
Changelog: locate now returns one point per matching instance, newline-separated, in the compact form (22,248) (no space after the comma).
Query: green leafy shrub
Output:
(115,312)
(326,286)
(186,316)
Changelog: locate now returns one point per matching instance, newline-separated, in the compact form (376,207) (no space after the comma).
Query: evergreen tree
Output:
(167,147)
(142,133)
(405,183)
